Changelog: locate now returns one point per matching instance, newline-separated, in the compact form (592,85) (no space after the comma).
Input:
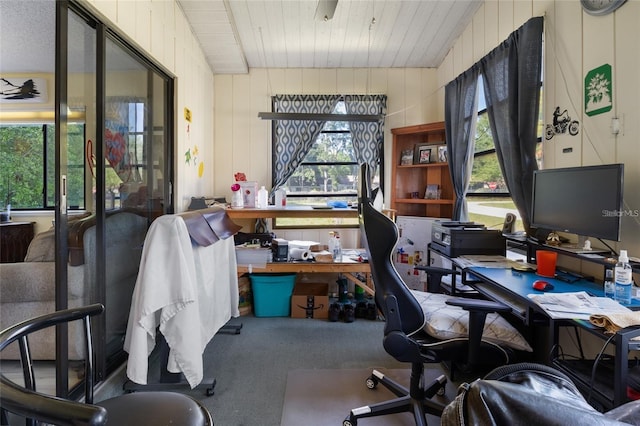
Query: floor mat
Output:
(325,397)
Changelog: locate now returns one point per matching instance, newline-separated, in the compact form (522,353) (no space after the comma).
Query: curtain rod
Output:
(318,117)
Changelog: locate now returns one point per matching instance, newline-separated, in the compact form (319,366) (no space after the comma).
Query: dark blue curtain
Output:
(512,81)
(461,116)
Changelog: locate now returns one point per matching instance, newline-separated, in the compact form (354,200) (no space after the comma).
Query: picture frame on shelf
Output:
(406,159)
(432,192)
(442,154)
(422,154)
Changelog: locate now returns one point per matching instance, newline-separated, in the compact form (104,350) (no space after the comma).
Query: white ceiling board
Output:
(236,35)
(407,33)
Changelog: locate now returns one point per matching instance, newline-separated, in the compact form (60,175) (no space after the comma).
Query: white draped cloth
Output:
(187,291)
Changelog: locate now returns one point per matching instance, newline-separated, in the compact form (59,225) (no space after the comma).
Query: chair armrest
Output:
(434,276)
(478,305)
(437,270)
(478,310)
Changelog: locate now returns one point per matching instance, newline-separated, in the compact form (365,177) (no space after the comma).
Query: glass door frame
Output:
(102,366)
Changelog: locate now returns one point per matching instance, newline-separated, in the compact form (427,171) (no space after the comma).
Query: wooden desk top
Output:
(347,268)
(309,267)
(291,211)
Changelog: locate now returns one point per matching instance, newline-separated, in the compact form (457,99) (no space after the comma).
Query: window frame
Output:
(47,143)
(480,154)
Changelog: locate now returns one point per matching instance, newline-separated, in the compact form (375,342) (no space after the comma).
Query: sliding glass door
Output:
(134,167)
(123,103)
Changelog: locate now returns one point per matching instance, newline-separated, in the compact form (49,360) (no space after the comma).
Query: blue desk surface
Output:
(520,283)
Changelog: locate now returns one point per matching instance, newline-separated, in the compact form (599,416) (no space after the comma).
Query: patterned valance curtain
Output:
(461,116)
(294,138)
(511,75)
(367,137)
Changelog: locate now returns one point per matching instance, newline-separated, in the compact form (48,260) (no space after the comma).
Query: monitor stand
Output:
(582,247)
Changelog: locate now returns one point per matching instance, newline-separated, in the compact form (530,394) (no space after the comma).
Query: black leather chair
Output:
(527,393)
(404,336)
(148,408)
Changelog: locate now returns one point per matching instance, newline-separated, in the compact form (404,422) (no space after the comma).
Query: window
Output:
(488,198)
(125,166)
(327,176)
(27,166)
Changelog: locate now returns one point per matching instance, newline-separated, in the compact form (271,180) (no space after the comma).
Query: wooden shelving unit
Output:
(408,179)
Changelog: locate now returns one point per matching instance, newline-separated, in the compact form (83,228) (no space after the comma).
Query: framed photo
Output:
(442,154)
(422,154)
(406,159)
(432,192)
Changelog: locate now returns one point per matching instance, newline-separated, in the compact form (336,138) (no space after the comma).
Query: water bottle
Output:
(281,198)
(337,248)
(609,285)
(622,275)
(263,198)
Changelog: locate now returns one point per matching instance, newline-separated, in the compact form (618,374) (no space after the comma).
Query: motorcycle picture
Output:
(561,123)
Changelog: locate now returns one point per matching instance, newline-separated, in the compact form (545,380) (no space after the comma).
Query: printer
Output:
(455,238)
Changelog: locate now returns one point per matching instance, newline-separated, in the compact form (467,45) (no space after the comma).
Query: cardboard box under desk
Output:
(310,300)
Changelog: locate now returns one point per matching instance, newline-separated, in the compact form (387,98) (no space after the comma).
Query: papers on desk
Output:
(488,261)
(578,305)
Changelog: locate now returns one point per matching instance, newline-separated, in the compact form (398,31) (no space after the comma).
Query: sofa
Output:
(27,289)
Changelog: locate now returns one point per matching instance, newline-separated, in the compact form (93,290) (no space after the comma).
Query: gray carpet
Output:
(277,367)
(325,397)
(252,368)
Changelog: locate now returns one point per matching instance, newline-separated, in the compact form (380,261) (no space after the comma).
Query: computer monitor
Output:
(586,201)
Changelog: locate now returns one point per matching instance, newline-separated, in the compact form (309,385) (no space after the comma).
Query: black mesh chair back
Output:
(380,236)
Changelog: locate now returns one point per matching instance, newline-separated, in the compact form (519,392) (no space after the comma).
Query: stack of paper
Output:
(578,305)
(489,261)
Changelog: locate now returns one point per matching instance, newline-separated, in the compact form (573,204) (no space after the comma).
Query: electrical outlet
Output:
(616,126)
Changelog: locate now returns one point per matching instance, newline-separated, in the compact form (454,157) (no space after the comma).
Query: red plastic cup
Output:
(546,261)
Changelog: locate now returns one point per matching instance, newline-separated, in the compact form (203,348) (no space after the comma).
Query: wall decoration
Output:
(562,123)
(191,154)
(29,90)
(601,7)
(598,93)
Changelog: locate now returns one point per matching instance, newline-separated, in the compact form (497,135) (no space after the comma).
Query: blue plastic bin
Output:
(272,294)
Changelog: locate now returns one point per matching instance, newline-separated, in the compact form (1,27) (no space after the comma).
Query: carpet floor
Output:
(325,397)
(254,370)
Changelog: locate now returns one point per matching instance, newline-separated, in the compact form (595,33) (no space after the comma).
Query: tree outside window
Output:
(488,198)
(27,166)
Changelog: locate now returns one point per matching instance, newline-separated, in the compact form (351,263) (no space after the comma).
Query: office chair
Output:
(148,408)
(511,394)
(405,337)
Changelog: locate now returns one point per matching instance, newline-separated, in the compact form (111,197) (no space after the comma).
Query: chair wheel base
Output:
(349,422)
(372,382)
